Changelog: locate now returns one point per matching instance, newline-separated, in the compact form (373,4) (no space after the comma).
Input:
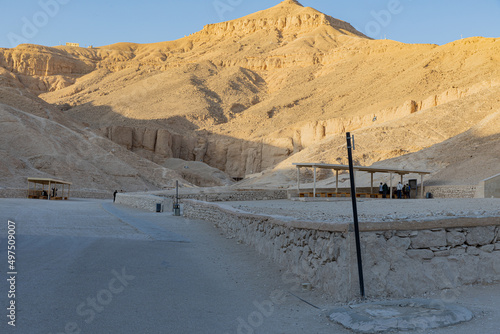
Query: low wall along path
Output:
(400,258)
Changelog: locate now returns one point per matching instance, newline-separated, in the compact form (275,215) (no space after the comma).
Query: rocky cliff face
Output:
(236,157)
(245,95)
(43,69)
(239,157)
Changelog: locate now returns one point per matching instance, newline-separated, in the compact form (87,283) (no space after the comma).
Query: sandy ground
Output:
(373,210)
(188,277)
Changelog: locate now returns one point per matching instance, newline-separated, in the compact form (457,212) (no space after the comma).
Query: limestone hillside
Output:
(253,95)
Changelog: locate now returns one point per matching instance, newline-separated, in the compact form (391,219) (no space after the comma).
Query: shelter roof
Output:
(46,181)
(362,168)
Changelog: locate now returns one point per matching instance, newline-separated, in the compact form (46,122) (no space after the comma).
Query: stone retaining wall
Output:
(399,260)
(451,191)
(148,201)
(144,201)
(237,195)
(437,191)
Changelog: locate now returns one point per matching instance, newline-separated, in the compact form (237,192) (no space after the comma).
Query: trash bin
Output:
(158,207)
(177,210)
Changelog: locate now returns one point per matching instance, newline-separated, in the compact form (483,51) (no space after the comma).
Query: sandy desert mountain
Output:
(251,96)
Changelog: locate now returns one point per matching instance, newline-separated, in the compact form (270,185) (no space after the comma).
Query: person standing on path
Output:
(114,195)
(399,190)
(406,191)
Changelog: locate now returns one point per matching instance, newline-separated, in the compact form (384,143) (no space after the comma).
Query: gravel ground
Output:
(376,210)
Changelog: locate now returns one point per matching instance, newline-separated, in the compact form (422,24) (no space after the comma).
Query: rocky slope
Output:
(39,141)
(277,86)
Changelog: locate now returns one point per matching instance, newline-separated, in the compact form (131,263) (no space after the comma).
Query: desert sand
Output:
(248,97)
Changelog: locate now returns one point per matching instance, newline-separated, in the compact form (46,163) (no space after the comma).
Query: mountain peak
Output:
(288,15)
(291,2)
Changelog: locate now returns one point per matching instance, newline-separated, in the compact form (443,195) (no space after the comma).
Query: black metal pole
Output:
(177,192)
(355,214)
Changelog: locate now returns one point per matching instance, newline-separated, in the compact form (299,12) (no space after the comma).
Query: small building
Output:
(73,44)
(50,189)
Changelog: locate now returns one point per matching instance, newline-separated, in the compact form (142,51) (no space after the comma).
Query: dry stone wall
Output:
(397,263)
(247,195)
(407,263)
(144,201)
(451,191)
(147,201)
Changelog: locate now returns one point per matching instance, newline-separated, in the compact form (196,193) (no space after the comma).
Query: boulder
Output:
(455,238)
(479,236)
(427,239)
(420,254)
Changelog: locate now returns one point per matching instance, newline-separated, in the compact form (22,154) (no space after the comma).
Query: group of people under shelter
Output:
(401,191)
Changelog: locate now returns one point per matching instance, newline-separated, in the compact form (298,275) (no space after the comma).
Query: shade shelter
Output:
(50,189)
(371,170)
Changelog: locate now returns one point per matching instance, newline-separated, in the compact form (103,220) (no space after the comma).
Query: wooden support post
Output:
(422,184)
(314,190)
(298,179)
(371,191)
(337,181)
(390,185)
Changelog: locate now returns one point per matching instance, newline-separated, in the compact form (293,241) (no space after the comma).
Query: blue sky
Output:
(93,22)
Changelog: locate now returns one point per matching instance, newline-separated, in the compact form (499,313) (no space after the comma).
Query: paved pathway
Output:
(88,266)
(100,268)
